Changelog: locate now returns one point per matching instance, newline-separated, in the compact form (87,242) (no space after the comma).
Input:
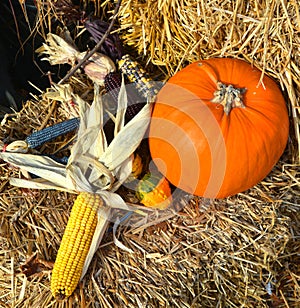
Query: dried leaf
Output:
(104,215)
(62,50)
(116,241)
(37,184)
(58,51)
(41,166)
(34,266)
(122,105)
(128,139)
(59,92)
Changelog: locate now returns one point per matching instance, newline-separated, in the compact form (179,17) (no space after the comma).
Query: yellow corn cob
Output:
(75,245)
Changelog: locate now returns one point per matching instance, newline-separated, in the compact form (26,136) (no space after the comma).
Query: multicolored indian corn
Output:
(75,244)
(145,85)
(112,83)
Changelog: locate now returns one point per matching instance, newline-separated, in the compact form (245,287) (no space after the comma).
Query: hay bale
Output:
(171,34)
(242,251)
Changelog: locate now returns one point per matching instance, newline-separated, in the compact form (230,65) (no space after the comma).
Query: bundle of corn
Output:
(95,169)
(174,33)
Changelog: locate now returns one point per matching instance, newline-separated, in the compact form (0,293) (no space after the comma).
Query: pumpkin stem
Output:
(228,96)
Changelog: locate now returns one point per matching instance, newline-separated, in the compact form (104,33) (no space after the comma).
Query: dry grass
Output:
(242,251)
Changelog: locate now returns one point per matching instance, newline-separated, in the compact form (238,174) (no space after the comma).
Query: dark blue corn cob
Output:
(62,160)
(112,83)
(49,133)
(144,84)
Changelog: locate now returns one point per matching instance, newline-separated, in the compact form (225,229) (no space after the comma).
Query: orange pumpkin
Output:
(218,127)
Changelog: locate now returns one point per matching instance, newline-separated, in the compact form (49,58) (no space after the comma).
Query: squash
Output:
(137,168)
(154,190)
(218,127)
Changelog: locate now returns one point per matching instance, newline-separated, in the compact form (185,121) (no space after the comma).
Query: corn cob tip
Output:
(137,75)
(19,146)
(61,295)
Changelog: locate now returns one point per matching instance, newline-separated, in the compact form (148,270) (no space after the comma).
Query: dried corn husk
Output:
(112,164)
(62,50)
